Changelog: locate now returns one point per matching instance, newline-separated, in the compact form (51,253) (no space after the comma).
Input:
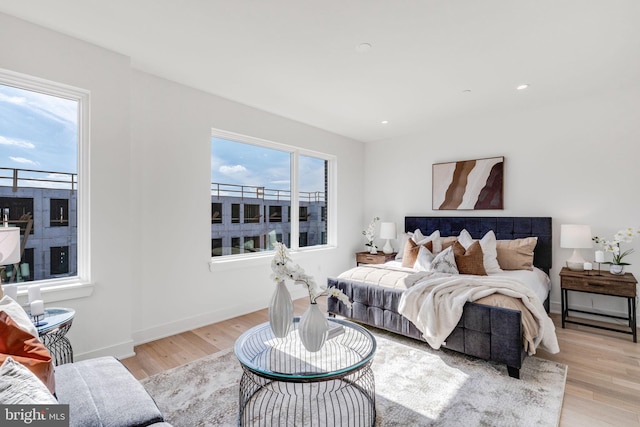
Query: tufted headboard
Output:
(505,228)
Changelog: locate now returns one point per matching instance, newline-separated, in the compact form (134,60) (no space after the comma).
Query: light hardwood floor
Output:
(603,381)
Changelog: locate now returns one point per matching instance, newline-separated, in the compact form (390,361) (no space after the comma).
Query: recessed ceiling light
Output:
(384,122)
(522,87)
(363,47)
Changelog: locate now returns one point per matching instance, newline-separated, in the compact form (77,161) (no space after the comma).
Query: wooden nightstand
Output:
(623,286)
(379,258)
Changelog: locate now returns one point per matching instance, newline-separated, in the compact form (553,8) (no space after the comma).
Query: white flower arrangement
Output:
(370,232)
(623,236)
(283,267)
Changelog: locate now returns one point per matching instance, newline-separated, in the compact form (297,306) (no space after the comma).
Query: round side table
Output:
(52,331)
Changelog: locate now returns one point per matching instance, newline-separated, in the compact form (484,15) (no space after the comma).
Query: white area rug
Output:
(415,386)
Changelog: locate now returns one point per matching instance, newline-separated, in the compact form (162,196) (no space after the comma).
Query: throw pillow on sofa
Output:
(19,386)
(18,341)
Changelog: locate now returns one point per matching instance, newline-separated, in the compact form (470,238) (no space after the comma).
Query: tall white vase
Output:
(281,311)
(313,328)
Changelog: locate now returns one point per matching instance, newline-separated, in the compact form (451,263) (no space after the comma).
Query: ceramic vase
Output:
(616,269)
(313,328)
(281,311)
(373,249)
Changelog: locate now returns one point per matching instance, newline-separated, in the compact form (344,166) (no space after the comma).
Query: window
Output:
(59,213)
(43,136)
(216,247)
(216,213)
(261,181)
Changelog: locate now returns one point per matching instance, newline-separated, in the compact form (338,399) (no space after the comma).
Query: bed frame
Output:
(486,332)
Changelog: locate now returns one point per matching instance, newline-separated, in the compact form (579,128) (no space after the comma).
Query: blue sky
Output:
(245,164)
(37,131)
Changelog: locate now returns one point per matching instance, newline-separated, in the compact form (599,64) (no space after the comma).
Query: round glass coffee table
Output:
(284,384)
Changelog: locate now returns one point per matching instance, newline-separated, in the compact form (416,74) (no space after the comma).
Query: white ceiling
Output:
(298,58)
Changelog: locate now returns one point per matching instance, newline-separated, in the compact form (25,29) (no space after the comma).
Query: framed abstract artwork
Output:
(468,184)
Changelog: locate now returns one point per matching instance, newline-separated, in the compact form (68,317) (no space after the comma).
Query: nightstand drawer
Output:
(599,285)
(379,258)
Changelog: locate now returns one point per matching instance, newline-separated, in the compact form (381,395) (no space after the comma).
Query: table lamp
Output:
(576,237)
(388,231)
(9,246)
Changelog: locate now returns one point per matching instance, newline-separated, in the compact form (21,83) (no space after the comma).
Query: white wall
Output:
(150,203)
(577,162)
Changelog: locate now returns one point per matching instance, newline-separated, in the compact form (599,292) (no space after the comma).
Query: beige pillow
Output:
(470,260)
(442,243)
(516,254)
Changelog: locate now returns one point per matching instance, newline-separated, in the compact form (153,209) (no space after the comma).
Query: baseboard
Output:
(198,321)
(120,351)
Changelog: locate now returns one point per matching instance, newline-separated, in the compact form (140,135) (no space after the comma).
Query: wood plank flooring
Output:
(603,382)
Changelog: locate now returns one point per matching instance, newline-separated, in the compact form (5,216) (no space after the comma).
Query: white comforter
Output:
(435,305)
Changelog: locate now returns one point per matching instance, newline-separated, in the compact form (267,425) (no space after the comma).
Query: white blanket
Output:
(435,306)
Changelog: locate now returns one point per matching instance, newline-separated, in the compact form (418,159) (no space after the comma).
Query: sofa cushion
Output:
(102,391)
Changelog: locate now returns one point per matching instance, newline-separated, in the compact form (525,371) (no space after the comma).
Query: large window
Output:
(264,184)
(42,132)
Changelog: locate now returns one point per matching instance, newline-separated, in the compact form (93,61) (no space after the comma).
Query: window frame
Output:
(294,218)
(66,285)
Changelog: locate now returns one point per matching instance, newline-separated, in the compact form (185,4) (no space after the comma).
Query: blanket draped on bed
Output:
(435,306)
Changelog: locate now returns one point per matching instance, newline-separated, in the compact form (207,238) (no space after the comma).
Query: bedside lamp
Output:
(388,231)
(9,247)
(575,236)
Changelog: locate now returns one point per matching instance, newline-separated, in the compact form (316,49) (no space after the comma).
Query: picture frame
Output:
(468,184)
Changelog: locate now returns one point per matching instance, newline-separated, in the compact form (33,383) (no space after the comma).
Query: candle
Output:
(588,266)
(599,256)
(11,291)
(37,307)
(34,293)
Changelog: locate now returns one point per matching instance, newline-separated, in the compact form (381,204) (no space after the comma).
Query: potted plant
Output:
(616,266)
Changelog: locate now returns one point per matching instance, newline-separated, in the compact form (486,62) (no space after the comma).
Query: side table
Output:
(52,331)
(623,286)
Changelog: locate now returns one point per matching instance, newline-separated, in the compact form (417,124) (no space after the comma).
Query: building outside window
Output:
(216,213)
(42,134)
(256,180)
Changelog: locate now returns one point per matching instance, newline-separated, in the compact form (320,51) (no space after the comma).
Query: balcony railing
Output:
(29,178)
(255,192)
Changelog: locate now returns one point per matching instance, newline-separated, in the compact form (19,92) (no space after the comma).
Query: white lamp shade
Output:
(388,230)
(575,236)
(9,245)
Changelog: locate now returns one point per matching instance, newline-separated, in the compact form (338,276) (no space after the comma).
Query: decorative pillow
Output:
(516,254)
(417,238)
(18,386)
(22,345)
(488,244)
(411,250)
(442,243)
(469,261)
(445,262)
(424,259)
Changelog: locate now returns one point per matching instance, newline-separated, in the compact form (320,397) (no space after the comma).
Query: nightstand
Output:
(379,258)
(623,286)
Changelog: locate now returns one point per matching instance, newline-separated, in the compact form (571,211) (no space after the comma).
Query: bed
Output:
(487,332)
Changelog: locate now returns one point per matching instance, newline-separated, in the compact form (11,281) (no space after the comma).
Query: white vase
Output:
(281,311)
(616,269)
(313,328)
(373,249)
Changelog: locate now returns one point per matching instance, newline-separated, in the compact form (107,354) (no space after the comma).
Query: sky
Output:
(245,164)
(37,131)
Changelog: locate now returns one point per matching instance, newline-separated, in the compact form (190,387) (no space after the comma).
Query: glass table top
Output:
(349,348)
(54,318)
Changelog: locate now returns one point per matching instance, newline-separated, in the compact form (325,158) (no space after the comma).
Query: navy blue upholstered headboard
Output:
(505,228)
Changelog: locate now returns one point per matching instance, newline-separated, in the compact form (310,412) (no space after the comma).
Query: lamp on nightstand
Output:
(575,236)
(388,231)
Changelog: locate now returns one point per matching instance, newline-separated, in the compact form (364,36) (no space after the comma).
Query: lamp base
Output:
(387,248)
(576,262)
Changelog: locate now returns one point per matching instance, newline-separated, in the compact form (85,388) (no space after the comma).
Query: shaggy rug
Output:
(415,386)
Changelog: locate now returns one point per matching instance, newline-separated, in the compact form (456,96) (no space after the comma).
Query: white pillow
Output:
(424,259)
(445,262)
(19,386)
(18,315)
(489,251)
